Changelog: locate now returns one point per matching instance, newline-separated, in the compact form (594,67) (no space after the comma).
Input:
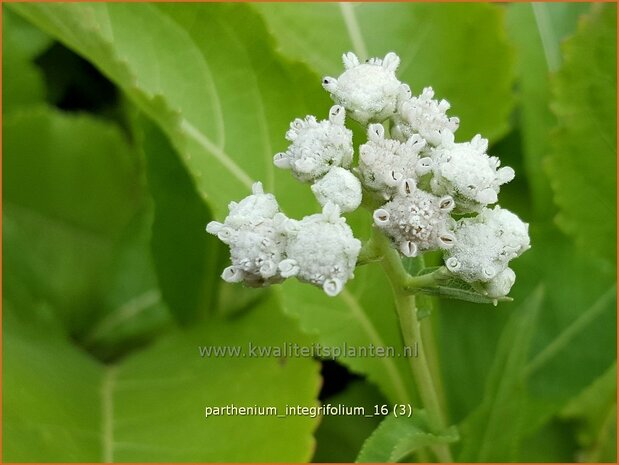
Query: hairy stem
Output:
(411,334)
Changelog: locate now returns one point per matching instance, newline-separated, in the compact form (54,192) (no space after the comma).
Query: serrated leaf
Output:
(398,437)
(460,50)
(60,405)
(537,30)
(583,164)
(225,113)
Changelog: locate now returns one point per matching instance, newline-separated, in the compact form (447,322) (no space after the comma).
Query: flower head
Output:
(317,146)
(416,220)
(369,91)
(384,163)
(485,245)
(322,251)
(255,230)
(467,173)
(426,117)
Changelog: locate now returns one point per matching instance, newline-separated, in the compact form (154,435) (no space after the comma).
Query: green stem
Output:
(428,326)
(412,284)
(411,334)
(429,342)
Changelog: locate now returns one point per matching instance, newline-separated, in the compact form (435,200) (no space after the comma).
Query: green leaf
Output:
(148,406)
(340,437)
(362,315)
(187,260)
(61,405)
(492,431)
(554,442)
(536,30)
(596,411)
(460,50)
(579,307)
(75,178)
(132,312)
(577,285)
(23,82)
(582,165)
(207,74)
(398,437)
(452,287)
(50,401)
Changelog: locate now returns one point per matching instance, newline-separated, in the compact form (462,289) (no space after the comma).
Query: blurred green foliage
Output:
(110,283)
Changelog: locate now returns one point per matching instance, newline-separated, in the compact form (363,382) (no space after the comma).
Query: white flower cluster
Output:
(319,153)
(255,230)
(317,146)
(267,247)
(322,251)
(484,246)
(467,173)
(426,178)
(424,116)
(369,91)
(385,163)
(432,193)
(417,220)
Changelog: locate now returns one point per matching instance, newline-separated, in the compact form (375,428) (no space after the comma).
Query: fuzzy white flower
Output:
(467,173)
(384,163)
(486,243)
(322,251)
(425,116)
(317,146)
(369,91)
(255,230)
(340,187)
(417,221)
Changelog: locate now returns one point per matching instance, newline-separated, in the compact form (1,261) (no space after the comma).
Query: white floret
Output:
(317,146)
(500,285)
(486,243)
(467,173)
(256,232)
(426,117)
(384,163)
(340,187)
(369,91)
(322,251)
(416,220)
